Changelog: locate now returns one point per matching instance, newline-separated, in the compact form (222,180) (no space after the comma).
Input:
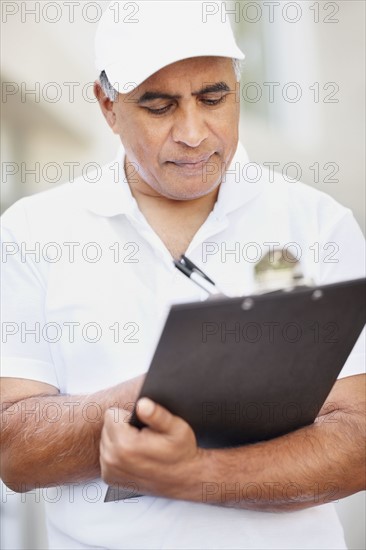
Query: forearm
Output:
(55,439)
(314,465)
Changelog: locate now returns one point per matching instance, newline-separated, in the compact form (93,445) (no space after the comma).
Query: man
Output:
(89,303)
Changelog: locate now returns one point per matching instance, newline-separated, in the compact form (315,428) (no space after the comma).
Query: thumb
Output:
(155,416)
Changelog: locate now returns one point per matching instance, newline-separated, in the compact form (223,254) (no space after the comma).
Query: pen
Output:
(190,270)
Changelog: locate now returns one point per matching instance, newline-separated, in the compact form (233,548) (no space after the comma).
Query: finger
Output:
(155,416)
(117,437)
(115,420)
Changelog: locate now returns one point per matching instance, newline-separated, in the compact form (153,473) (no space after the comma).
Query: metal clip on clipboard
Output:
(279,271)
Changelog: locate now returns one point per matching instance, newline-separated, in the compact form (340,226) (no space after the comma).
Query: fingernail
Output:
(146,406)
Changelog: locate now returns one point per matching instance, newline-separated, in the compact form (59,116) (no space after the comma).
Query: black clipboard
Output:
(242,370)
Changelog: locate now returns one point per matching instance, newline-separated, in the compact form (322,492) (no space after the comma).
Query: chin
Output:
(188,194)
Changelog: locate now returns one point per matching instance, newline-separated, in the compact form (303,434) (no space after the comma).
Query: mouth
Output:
(191,163)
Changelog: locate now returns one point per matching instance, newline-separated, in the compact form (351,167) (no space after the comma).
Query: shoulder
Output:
(54,209)
(45,209)
(288,198)
(301,203)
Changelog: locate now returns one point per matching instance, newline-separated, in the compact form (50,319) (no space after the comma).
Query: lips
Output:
(187,161)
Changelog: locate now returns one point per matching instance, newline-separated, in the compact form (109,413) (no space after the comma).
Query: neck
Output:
(149,199)
(174,221)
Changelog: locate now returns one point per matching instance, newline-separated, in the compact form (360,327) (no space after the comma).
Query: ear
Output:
(106,106)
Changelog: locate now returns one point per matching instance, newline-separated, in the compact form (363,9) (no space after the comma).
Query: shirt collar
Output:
(240,184)
(112,196)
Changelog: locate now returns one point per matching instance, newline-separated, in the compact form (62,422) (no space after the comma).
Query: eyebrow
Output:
(211,88)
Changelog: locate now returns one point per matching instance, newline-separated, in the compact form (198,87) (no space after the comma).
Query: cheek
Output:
(153,153)
(143,137)
(227,134)
(225,124)
(146,147)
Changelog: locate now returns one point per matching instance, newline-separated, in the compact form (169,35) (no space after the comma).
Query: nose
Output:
(189,127)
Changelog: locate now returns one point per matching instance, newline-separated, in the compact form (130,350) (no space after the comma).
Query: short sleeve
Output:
(344,259)
(25,353)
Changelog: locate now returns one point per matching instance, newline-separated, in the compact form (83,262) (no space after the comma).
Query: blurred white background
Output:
(303,108)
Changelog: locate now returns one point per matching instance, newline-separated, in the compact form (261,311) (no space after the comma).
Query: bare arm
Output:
(313,465)
(50,438)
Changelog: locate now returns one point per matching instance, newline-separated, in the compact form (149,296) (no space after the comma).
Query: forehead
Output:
(195,71)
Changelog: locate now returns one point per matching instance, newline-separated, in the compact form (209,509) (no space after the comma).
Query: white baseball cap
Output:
(136,39)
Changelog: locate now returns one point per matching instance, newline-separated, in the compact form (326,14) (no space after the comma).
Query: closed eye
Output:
(210,102)
(213,102)
(160,111)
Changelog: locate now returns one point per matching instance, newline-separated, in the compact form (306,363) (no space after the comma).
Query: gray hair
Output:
(112,93)
(107,87)
(238,68)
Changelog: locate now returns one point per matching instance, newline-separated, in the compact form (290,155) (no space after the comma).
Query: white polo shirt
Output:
(87,287)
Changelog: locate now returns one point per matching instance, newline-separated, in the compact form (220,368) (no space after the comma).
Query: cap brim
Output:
(139,74)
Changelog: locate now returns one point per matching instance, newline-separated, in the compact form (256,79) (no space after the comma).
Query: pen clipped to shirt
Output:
(190,270)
